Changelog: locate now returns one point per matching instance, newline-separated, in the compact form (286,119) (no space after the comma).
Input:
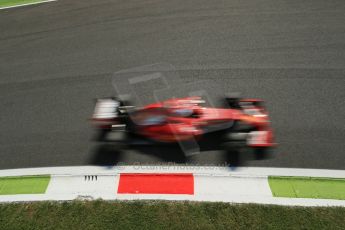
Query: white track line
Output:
(27,4)
(196,170)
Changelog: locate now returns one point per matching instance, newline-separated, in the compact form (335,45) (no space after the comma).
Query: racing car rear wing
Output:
(105,109)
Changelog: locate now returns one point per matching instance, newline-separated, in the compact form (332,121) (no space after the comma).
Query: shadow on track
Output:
(108,154)
(105,155)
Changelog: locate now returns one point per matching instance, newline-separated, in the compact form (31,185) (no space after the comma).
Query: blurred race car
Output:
(241,123)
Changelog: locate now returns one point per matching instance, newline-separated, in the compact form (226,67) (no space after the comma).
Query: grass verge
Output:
(23,185)
(307,187)
(165,215)
(8,3)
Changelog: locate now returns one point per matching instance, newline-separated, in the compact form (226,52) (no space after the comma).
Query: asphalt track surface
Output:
(56,57)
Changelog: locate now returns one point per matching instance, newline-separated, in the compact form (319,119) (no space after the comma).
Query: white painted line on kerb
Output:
(100,187)
(27,4)
(196,170)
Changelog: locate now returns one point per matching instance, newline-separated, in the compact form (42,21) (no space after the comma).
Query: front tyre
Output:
(261,153)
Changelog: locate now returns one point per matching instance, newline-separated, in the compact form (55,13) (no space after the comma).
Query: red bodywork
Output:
(172,126)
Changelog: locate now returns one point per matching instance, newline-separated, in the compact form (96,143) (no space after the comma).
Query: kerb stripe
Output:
(153,183)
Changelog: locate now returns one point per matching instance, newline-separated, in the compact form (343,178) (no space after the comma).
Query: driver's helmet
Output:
(183,112)
(153,120)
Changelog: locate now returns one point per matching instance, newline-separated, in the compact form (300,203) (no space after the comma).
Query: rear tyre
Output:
(118,139)
(102,134)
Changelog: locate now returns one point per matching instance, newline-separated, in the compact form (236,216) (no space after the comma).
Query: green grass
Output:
(23,185)
(165,215)
(308,187)
(6,3)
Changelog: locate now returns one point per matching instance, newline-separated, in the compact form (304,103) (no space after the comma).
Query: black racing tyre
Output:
(117,136)
(233,102)
(234,145)
(261,153)
(119,139)
(241,126)
(102,134)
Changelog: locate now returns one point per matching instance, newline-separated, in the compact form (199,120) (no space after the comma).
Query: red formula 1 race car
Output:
(242,123)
